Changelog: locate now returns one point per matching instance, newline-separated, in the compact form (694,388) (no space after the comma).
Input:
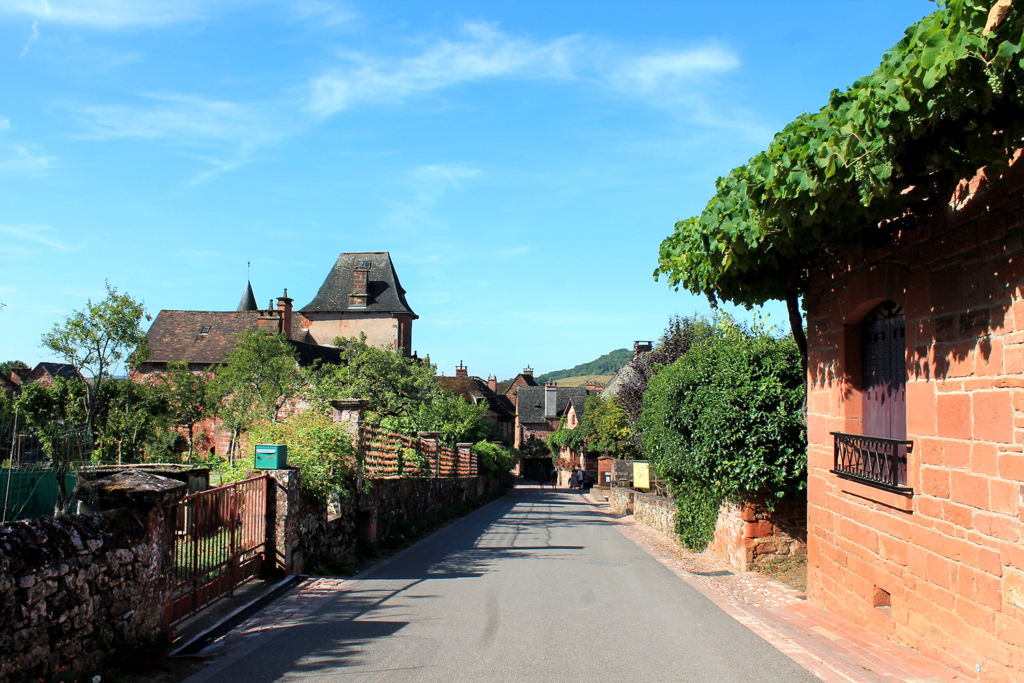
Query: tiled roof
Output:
(385,293)
(578,402)
(55,370)
(530,401)
(473,389)
(180,335)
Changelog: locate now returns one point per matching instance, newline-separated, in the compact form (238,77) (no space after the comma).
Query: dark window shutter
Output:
(883,339)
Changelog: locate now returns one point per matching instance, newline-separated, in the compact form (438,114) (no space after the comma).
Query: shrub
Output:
(724,422)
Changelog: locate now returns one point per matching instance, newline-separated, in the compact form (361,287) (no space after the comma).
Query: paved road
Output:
(537,586)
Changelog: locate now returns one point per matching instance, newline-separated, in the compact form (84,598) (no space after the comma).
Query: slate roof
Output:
(626,375)
(177,335)
(578,403)
(473,390)
(248,302)
(385,293)
(531,402)
(55,370)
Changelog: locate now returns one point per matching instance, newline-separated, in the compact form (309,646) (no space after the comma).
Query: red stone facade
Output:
(940,566)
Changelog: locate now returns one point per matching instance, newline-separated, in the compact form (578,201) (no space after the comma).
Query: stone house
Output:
(46,374)
(510,389)
(916,432)
(361,295)
(476,391)
(538,412)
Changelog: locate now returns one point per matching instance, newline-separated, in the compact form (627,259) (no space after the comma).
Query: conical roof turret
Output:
(248,302)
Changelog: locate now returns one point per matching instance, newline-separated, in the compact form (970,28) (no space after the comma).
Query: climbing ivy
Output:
(947,100)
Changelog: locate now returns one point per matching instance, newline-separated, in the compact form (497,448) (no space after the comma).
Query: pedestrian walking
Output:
(554,477)
(581,476)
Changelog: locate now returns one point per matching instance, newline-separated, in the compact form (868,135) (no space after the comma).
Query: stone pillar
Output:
(352,411)
(154,499)
(428,448)
(465,455)
(284,552)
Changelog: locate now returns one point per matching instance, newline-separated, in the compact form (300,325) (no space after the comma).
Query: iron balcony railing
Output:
(874,461)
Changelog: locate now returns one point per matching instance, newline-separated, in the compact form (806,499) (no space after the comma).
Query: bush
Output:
(724,422)
(321,447)
(492,459)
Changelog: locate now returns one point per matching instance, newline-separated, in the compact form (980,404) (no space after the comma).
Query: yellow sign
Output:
(641,476)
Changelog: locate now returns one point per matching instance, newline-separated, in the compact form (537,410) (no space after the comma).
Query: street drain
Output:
(607,564)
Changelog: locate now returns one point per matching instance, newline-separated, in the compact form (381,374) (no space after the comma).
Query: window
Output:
(883,354)
(205,330)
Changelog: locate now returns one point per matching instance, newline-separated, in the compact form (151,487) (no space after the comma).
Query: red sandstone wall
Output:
(950,555)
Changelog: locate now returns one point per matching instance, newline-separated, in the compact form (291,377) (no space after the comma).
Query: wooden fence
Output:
(387,455)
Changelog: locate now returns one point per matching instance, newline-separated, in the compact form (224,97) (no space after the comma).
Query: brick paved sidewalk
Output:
(830,647)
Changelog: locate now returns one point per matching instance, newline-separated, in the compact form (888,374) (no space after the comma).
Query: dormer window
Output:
(205,330)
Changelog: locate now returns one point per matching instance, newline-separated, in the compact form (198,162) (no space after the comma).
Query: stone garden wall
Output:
(748,535)
(656,512)
(71,587)
(622,499)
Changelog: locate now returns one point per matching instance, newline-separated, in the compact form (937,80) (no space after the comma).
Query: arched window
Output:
(883,349)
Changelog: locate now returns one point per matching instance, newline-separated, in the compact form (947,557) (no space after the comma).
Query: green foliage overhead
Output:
(608,364)
(946,101)
(725,420)
(457,420)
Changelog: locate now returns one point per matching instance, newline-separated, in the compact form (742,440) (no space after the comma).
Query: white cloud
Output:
(180,116)
(484,53)
(325,13)
(650,73)
(23,160)
(122,14)
(108,14)
(35,234)
(5,123)
(31,39)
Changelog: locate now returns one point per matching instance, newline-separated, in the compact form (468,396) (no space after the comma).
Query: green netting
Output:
(30,493)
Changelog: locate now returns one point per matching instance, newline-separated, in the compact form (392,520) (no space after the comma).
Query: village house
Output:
(916,432)
(361,295)
(538,413)
(475,391)
(511,389)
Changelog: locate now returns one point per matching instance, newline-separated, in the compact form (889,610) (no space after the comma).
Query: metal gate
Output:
(219,543)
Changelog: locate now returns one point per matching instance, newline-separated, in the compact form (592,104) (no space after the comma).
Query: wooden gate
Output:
(219,543)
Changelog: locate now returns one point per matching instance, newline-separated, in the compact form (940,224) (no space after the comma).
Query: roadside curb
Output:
(229,622)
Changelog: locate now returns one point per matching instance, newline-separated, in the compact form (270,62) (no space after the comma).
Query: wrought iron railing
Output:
(873,460)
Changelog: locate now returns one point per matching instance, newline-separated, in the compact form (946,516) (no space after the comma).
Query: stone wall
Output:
(749,535)
(622,499)
(656,512)
(73,586)
(331,530)
(936,566)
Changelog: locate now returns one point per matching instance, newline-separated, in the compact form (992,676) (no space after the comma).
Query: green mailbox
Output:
(271,456)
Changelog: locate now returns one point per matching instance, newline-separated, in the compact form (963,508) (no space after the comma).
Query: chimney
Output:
(269,320)
(528,371)
(460,370)
(284,308)
(550,401)
(360,280)
(492,382)
(641,347)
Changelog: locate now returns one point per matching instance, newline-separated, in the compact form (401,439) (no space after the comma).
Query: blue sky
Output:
(521,161)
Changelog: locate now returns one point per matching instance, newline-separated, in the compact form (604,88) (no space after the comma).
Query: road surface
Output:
(537,586)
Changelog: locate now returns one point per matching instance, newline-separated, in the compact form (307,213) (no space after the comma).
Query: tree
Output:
(606,428)
(51,413)
(191,398)
(457,420)
(394,385)
(130,415)
(260,374)
(97,339)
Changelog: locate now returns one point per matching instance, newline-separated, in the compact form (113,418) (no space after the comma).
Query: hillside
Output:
(608,364)
(583,380)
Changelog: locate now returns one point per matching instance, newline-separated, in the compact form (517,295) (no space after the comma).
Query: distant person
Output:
(554,477)
(581,475)
(540,480)
(572,477)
